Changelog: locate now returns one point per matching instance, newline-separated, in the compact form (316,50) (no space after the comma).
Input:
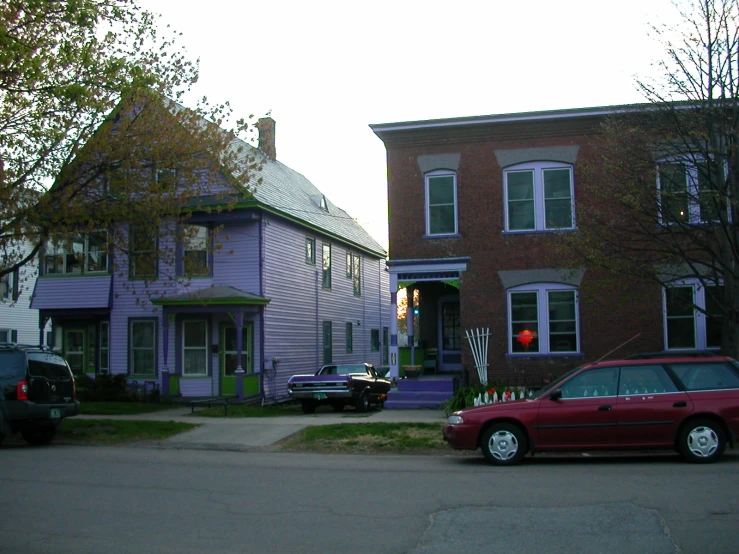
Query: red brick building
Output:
(475,204)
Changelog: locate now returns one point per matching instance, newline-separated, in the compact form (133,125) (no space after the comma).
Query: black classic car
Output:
(338,385)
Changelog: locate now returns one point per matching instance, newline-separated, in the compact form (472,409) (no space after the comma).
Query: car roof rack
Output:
(21,345)
(674,354)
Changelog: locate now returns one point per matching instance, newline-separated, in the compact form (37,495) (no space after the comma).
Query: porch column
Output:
(164,385)
(393,349)
(239,345)
(409,323)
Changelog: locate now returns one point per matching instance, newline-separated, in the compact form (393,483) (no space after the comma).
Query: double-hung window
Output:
(142,253)
(441,203)
(349,338)
(9,286)
(86,253)
(539,196)
(142,342)
(194,347)
(196,250)
(692,192)
(543,319)
(692,316)
(326,273)
(354,271)
(310,250)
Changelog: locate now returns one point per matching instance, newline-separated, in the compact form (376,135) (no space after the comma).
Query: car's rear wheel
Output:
(702,441)
(504,444)
(309,406)
(337,406)
(362,404)
(38,436)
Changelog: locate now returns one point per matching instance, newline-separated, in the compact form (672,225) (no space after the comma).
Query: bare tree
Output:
(662,195)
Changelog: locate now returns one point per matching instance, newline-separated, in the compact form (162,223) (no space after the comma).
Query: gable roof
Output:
(287,193)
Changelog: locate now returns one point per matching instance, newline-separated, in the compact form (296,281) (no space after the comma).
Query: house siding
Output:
(18,315)
(299,304)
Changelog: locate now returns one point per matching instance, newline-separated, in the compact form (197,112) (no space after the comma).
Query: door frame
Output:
(227,383)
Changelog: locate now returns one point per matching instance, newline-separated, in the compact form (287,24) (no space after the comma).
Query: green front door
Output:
(228,356)
(75,349)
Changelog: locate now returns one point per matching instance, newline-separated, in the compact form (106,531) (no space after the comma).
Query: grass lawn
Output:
(124,408)
(107,431)
(370,438)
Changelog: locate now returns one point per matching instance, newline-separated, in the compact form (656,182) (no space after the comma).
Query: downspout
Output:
(264,308)
(318,329)
(379,299)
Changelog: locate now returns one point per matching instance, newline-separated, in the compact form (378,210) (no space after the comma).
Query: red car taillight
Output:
(22,391)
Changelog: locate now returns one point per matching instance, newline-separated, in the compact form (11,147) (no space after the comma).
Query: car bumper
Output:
(461,437)
(319,395)
(22,411)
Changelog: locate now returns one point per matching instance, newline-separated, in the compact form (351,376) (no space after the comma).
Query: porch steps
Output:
(424,392)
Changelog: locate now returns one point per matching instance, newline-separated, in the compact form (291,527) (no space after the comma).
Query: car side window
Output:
(645,379)
(706,376)
(592,382)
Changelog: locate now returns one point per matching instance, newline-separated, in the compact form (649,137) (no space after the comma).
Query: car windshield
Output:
(554,385)
(47,364)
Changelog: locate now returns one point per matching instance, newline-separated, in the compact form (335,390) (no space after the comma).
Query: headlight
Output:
(455,420)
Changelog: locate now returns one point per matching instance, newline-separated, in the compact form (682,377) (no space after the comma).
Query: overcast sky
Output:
(326,70)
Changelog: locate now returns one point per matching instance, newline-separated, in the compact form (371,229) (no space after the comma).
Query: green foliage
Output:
(106,431)
(464,397)
(371,437)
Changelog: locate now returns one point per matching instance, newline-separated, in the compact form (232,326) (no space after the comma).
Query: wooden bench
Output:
(214,401)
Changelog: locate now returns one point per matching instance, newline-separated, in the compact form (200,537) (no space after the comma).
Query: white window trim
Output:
(440,173)
(203,348)
(699,318)
(538,169)
(541,290)
(693,192)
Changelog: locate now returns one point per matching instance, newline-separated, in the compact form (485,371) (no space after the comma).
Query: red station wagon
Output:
(689,403)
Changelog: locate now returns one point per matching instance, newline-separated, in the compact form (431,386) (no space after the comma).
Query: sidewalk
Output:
(247,433)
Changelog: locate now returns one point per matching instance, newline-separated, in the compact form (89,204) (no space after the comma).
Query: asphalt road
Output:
(69,499)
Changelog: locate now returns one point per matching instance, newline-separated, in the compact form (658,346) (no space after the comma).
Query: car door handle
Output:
(605,408)
(680,404)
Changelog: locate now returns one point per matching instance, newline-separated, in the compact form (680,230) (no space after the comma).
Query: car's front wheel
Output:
(504,444)
(38,436)
(362,404)
(702,441)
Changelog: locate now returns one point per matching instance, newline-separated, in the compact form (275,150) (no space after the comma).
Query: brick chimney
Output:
(266,126)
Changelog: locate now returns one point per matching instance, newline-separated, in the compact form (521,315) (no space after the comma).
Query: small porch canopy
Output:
(405,274)
(218,298)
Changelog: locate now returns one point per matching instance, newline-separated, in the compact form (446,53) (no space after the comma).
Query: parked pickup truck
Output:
(339,385)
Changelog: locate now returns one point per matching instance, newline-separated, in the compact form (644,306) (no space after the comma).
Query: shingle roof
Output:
(289,193)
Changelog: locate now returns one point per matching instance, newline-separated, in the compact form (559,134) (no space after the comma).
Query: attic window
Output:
(320,201)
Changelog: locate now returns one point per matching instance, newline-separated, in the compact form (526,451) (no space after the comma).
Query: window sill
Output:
(68,275)
(538,231)
(449,236)
(545,355)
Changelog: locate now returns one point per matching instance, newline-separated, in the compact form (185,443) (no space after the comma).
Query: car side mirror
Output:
(556,395)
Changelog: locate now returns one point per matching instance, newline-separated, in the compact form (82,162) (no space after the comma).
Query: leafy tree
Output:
(662,199)
(92,131)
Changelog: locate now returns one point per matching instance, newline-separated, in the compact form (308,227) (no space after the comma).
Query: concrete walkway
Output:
(260,433)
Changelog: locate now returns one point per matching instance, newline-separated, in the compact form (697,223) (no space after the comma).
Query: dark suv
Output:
(663,400)
(36,392)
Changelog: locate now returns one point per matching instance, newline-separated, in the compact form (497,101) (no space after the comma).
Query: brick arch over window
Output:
(562,154)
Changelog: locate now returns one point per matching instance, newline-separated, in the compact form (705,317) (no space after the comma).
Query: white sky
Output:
(327,69)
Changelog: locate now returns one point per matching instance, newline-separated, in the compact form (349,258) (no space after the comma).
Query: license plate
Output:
(55,413)
(319,396)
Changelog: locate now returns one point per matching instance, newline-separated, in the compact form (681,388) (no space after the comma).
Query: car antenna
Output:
(619,346)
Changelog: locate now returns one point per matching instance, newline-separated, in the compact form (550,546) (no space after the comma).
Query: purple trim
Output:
(393,297)
(165,335)
(449,236)
(564,355)
(393,340)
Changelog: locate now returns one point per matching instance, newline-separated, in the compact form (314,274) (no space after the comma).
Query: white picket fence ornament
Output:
(479,345)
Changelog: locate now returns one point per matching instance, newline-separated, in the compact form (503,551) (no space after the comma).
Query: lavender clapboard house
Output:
(297,283)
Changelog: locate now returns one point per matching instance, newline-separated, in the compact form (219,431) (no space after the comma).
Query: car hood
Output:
(499,407)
